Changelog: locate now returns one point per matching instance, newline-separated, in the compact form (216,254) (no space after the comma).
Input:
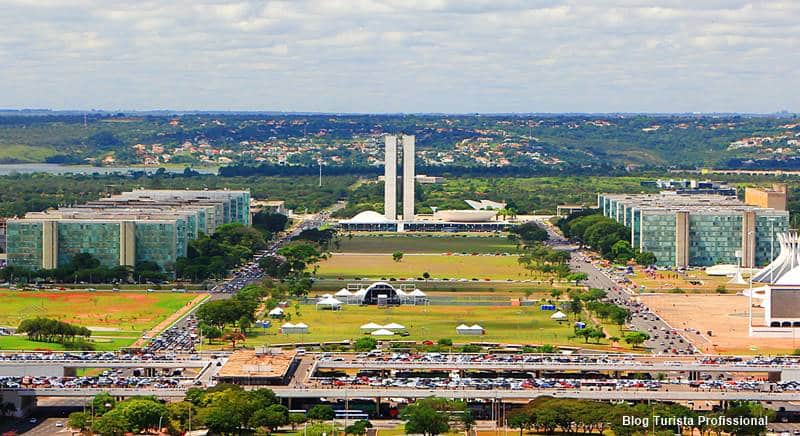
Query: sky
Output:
(455,56)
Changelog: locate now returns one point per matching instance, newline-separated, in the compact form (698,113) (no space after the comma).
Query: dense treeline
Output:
(85,268)
(605,235)
(223,409)
(215,255)
(568,416)
(52,330)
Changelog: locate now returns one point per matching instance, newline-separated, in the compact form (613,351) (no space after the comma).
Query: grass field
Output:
(425,243)
(518,325)
(24,153)
(116,319)
(692,282)
(515,289)
(348,266)
(130,311)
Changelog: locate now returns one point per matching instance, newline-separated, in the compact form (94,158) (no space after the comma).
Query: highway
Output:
(505,394)
(554,366)
(650,324)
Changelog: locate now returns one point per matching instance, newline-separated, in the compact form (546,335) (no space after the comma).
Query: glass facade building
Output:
(135,226)
(697,230)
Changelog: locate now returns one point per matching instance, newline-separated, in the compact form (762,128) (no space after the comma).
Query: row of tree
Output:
(223,409)
(52,330)
(608,237)
(85,267)
(215,255)
(548,415)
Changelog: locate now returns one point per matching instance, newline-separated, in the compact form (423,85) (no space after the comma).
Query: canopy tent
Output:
(394,326)
(343,293)
(290,328)
(329,303)
(276,312)
(371,326)
(382,332)
(558,316)
(737,279)
(474,329)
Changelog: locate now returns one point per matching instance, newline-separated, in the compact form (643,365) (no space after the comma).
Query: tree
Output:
(520,420)
(645,258)
(234,337)
(445,342)
(421,417)
(636,338)
(397,256)
(79,420)
(296,419)
(366,343)
(426,275)
(272,418)
(142,413)
(530,233)
(358,428)
(622,251)
(220,420)
(113,423)
(180,413)
(244,324)
(577,277)
(321,412)
(270,222)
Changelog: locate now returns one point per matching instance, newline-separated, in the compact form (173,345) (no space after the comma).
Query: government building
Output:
(701,229)
(124,229)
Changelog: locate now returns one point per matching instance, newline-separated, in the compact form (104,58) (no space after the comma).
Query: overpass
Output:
(776,372)
(60,368)
(500,394)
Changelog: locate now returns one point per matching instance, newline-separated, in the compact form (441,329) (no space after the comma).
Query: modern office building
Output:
(142,225)
(691,186)
(698,229)
(774,197)
(390,177)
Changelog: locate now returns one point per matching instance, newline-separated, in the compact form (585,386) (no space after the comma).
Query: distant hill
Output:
(545,142)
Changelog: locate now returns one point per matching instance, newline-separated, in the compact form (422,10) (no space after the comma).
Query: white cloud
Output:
(402,55)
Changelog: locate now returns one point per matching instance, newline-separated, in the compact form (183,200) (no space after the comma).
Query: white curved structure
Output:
(788,259)
(368,217)
(465,215)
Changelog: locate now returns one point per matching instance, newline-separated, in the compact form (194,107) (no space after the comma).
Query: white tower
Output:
(408,177)
(390,178)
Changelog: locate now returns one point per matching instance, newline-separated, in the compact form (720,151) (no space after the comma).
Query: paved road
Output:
(645,320)
(241,279)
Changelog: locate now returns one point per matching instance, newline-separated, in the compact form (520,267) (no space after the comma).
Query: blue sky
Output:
(402,55)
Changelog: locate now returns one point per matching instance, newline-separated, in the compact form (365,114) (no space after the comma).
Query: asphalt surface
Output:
(661,341)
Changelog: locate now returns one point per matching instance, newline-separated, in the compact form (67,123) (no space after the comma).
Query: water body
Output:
(6,169)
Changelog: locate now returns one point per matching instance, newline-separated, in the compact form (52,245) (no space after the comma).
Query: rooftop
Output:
(698,203)
(249,363)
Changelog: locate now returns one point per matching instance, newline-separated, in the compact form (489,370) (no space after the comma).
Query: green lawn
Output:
(425,243)
(348,266)
(116,319)
(505,324)
(24,153)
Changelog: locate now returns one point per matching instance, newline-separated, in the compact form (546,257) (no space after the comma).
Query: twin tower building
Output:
(406,143)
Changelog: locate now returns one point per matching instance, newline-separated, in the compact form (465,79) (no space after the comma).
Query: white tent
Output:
(330,303)
(290,328)
(558,316)
(382,332)
(464,329)
(371,327)
(417,293)
(276,312)
(343,293)
(394,326)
